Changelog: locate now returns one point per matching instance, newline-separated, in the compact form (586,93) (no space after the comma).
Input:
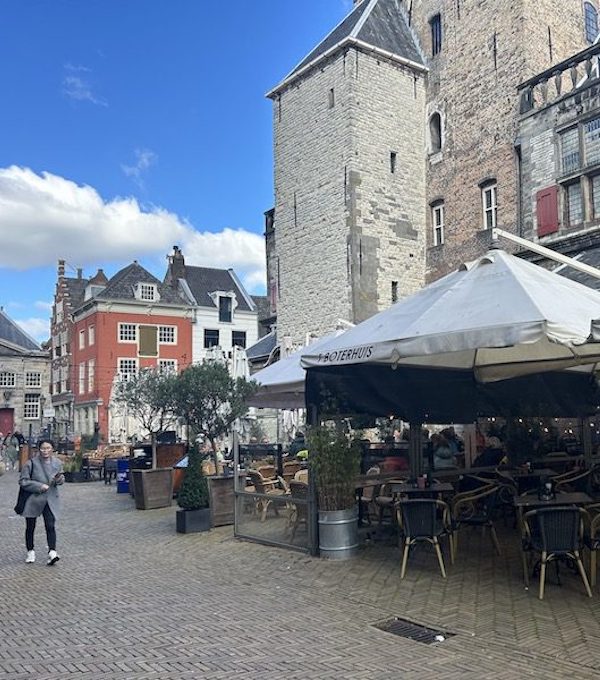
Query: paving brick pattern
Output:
(133,599)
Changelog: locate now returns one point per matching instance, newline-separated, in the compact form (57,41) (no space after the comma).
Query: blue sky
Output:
(129,126)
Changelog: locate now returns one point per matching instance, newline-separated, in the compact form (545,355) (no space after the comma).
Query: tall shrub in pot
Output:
(334,462)
(193,498)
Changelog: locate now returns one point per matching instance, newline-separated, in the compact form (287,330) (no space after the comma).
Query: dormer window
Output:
(225,309)
(147,292)
(91,291)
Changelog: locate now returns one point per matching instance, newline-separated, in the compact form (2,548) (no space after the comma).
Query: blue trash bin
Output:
(123,475)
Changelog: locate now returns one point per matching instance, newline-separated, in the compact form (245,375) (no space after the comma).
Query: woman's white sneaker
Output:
(30,557)
(52,557)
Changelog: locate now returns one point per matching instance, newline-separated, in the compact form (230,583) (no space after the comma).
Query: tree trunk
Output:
(214,448)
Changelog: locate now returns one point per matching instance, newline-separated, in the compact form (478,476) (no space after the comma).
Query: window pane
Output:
(591,140)
(575,208)
(591,22)
(211,338)
(238,339)
(596,195)
(570,150)
(225,309)
(33,379)
(127,332)
(31,407)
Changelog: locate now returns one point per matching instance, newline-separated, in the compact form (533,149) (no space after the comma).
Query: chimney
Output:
(61,268)
(177,266)
(79,272)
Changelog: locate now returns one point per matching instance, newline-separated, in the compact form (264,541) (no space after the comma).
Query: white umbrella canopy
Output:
(281,385)
(498,317)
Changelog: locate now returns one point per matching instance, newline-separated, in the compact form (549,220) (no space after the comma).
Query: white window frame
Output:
(438,218)
(490,188)
(7,379)
(124,375)
(82,338)
(92,335)
(147,292)
(33,379)
(167,366)
(91,375)
(164,332)
(31,406)
(81,386)
(125,330)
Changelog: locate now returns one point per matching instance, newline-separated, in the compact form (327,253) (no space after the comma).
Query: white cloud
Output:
(43,306)
(76,85)
(64,220)
(38,328)
(144,159)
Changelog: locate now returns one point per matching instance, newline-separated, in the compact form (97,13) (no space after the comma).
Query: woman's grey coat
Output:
(31,479)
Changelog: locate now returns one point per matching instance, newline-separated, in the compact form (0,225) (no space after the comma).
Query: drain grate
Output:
(413,631)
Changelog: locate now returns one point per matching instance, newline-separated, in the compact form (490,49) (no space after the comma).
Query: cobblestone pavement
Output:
(130,598)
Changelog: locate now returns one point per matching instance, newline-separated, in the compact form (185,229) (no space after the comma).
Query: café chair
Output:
(299,515)
(368,496)
(574,480)
(476,509)
(555,533)
(424,520)
(264,487)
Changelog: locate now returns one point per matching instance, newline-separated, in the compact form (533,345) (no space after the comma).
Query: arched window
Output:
(435,132)
(590,14)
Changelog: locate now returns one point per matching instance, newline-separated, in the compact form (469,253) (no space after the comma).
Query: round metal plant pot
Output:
(338,533)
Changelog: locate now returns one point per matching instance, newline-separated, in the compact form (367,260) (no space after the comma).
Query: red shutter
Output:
(547,211)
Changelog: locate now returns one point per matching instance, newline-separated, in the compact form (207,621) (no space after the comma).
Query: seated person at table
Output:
(492,455)
(443,456)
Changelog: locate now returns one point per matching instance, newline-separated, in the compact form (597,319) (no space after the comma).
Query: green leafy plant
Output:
(148,396)
(73,464)
(335,463)
(209,400)
(193,493)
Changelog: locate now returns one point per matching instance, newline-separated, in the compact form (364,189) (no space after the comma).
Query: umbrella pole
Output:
(586,440)
(415,449)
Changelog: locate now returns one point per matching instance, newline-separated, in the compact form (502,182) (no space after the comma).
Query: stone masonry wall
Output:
(386,209)
(488,48)
(345,225)
(312,148)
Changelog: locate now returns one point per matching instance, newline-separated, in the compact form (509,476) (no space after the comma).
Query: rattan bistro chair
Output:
(592,538)
(424,519)
(265,487)
(298,492)
(476,509)
(555,533)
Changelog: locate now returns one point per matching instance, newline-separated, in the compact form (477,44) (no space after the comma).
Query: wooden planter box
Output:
(222,499)
(193,521)
(152,488)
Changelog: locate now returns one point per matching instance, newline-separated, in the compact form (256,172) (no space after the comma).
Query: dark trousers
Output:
(49,523)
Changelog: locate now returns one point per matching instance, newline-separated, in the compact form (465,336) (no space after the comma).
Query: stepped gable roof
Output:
(380,24)
(15,337)
(262,348)
(204,280)
(76,290)
(122,286)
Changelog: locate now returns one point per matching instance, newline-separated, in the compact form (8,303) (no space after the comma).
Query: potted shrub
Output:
(194,514)
(334,462)
(72,469)
(148,397)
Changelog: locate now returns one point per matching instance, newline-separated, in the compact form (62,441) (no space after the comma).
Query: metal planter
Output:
(338,534)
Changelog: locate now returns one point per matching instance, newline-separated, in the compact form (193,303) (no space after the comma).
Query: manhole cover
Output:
(413,631)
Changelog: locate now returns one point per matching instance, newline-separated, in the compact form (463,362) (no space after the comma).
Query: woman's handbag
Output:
(21,500)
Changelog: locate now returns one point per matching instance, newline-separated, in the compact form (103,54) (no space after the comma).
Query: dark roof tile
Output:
(204,280)
(11,333)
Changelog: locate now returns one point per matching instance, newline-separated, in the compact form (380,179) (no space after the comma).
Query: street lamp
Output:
(42,402)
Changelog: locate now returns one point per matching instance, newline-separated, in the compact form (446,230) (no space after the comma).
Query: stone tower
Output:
(477,54)
(350,202)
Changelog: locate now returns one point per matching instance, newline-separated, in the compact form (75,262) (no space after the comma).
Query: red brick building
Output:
(124,324)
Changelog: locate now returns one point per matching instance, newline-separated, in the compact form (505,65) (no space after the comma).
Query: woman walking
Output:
(41,477)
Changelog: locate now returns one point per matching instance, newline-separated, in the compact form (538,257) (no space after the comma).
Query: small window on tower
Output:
(331,98)
(591,22)
(393,158)
(435,133)
(436,34)
(394,292)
